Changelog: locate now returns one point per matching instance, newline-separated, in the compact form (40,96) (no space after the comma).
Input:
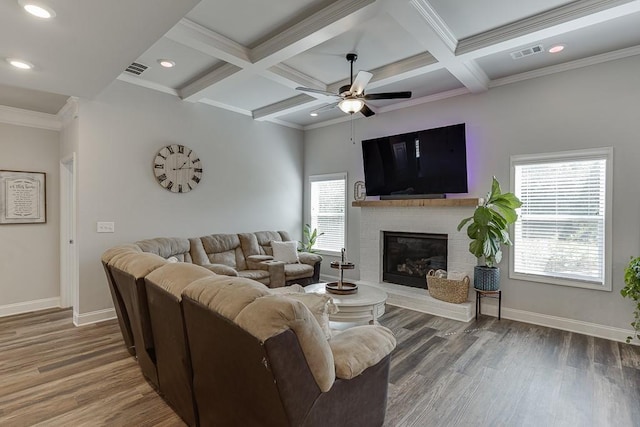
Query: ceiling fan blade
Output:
(366,111)
(325,108)
(361,81)
(312,90)
(388,95)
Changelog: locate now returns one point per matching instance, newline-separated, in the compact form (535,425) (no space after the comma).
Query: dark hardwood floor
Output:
(443,373)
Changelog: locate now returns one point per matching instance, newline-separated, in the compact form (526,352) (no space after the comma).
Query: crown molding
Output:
(286,124)
(290,77)
(567,66)
(69,111)
(435,21)
(590,11)
(28,118)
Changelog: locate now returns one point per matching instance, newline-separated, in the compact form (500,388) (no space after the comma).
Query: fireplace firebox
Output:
(407,257)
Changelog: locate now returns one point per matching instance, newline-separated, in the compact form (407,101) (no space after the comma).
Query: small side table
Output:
(480,293)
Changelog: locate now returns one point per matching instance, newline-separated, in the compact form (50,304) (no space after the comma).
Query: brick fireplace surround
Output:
(417,216)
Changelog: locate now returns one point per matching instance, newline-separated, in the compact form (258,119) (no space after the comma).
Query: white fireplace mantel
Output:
(438,216)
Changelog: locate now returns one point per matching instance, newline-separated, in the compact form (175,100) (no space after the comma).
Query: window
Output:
(328,210)
(563,233)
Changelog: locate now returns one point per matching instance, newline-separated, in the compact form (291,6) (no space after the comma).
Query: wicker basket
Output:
(455,291)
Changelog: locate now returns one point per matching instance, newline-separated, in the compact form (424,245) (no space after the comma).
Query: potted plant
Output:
(309,237)
(488,231)
(632,291)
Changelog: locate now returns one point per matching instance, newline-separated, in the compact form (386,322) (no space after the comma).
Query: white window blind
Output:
(328,210)
(561,233)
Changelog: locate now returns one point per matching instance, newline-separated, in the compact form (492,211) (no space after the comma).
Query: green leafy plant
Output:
(489,227)
(632,291)
(309,237)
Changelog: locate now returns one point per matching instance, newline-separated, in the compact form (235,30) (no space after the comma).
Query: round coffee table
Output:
(365,305)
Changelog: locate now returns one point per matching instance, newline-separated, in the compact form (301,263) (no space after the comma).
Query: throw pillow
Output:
(285,251)
(320,305)
(172,259)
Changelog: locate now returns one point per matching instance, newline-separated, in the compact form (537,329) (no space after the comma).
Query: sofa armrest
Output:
(256,262)
(309,258)
(223,269)
(276,272)
(359,348)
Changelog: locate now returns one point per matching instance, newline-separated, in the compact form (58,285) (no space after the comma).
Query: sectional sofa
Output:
(229,350)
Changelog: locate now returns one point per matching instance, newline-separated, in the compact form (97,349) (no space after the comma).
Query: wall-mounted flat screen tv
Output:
(430,163)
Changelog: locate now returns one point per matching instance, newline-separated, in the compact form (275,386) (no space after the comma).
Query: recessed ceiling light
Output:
(19,63)
(166,63)
(313,114)
(37,9)
(557,48)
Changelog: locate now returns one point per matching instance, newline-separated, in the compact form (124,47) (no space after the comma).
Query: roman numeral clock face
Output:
(177,168)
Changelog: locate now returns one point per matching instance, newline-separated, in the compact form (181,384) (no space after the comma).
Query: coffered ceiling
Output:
(248,56)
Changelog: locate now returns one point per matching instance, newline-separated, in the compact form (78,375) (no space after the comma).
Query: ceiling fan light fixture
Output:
(351,105)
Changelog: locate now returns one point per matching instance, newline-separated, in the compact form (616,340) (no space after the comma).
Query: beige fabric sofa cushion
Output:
(166,247)
(274,314)
(297,271)
(111,253)
(173,278)
(321,306)
(224,249)
(137,264)
(360,347)
(225,295)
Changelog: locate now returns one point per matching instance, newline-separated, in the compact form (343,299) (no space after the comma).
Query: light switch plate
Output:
(106,227)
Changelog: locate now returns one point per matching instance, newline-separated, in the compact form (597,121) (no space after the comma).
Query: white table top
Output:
(366,295)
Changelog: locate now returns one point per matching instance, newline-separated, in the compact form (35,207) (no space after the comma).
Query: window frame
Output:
(605,153)
(331,177)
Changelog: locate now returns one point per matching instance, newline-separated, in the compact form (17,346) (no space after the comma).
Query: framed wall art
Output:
(23,197)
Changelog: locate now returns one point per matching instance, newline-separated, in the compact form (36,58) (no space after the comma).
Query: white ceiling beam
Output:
(333,20)
(287,106)
(202,39)
(193,91)
(292,78)
(570,17)
(430,30)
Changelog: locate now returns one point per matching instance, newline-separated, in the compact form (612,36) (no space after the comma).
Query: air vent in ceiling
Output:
(136,68)
(532,50)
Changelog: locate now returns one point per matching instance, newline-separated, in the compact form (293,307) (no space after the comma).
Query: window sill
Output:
(561,282)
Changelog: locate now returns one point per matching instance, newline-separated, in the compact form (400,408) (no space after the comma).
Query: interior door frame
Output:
(69,274)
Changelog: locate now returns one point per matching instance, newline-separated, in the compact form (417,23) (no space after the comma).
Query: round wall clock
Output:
(177,168)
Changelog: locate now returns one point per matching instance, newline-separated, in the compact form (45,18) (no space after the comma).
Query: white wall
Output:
(29,261)
(595,106)
(252,176)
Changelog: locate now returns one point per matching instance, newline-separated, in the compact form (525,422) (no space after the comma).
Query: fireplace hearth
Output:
(407,257)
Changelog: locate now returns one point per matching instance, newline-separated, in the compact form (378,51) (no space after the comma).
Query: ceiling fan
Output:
(352,97)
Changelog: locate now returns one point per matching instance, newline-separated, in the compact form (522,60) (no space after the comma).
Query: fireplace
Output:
(407,257)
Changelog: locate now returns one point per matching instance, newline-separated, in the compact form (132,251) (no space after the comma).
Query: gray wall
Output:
(596,106)
(29,260)
(252,176)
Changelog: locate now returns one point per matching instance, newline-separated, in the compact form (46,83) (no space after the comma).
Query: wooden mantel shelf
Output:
(473,202)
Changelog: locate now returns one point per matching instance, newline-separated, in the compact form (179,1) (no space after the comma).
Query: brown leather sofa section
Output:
(164,295)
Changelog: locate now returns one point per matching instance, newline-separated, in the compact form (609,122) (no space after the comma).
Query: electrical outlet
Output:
(106,227)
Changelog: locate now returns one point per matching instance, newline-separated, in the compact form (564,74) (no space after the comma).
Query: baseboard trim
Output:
(29,306)
(491,308)
(563,323)
(93,317)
